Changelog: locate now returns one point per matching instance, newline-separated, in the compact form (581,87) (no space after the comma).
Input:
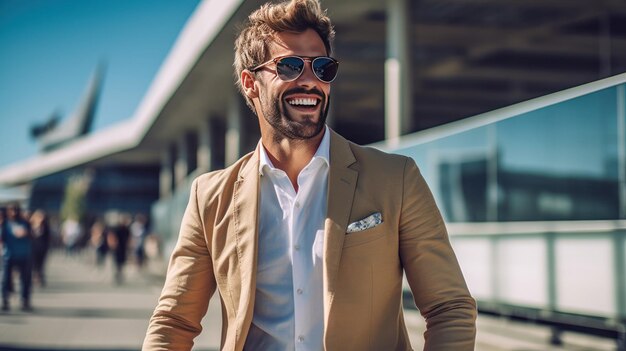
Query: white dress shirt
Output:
(288,308)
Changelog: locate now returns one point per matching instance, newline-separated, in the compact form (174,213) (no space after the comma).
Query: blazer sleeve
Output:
(432,270)
(189,285)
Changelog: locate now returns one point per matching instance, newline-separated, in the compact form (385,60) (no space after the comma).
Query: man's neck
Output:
(291,156)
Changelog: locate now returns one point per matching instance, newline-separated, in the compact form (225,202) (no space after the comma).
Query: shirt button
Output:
(297,247)
(299,291)
(297,204)
(301,338)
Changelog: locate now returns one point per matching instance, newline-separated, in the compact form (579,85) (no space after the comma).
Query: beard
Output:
(277,114)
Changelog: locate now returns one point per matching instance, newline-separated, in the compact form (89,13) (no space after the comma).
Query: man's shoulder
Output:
(220,181)
(367,155)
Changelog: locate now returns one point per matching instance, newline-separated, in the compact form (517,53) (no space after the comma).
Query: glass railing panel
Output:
(477,264)
(585,278)
(521,266)
(456,170)
(550,178)
(560,162)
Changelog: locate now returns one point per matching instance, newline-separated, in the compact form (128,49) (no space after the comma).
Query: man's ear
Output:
(248,83)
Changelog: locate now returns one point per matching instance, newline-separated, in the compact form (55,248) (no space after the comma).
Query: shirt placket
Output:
(301,254)
(290,203)
(295,231)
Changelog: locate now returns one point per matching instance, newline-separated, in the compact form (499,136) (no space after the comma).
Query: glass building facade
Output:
(533,195)
(558,162)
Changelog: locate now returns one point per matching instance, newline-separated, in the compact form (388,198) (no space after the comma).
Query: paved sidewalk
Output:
(81,309)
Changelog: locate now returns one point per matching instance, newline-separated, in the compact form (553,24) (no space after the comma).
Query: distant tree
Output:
(74,202)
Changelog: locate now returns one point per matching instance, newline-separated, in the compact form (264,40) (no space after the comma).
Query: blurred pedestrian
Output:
(139,232)
(3,212)
(117,238)
(99,241)
(17,248)
(40,229)
(70,234)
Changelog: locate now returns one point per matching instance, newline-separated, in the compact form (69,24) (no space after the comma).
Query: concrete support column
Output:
(492,174)
(166,175)
(204,146)
(180,164)
(398,75)
(234,130)
(621,148)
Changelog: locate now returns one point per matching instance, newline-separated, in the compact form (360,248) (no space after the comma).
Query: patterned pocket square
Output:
(366,223)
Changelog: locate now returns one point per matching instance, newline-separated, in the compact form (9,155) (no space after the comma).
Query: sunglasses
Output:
(290,68)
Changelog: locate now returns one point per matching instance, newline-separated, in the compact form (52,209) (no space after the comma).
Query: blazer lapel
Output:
(341,186)
(245,218)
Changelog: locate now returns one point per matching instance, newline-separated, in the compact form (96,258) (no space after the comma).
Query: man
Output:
(306,238)
(40,232)
(15,239)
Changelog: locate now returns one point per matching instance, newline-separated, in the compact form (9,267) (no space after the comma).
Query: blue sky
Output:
(50,48)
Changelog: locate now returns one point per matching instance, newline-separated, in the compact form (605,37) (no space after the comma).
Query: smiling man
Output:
(307,237)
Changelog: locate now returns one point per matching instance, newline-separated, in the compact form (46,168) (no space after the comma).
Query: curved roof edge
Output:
(203,26)
(486,118)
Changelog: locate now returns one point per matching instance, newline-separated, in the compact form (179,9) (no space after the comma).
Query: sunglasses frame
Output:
(304,59)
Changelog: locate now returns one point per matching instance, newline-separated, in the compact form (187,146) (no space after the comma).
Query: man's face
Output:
(279,100)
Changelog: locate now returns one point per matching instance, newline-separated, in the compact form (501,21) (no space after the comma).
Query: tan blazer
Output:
(217,248)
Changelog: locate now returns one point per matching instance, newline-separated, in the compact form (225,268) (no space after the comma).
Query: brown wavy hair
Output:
(252,43)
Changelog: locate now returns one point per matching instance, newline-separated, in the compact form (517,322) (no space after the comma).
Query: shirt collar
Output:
(322,153)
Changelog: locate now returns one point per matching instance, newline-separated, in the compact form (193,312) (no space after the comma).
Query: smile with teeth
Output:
(302,102)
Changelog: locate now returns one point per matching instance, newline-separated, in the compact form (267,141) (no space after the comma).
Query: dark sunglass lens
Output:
(325,68)
(289,68)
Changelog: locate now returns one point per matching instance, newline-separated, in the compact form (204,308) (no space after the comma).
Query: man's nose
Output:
(307,77)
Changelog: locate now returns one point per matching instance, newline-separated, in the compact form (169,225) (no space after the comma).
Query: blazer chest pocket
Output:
(364,237)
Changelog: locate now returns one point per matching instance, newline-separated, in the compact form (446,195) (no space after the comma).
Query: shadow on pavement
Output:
(15,348)
(124,313)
